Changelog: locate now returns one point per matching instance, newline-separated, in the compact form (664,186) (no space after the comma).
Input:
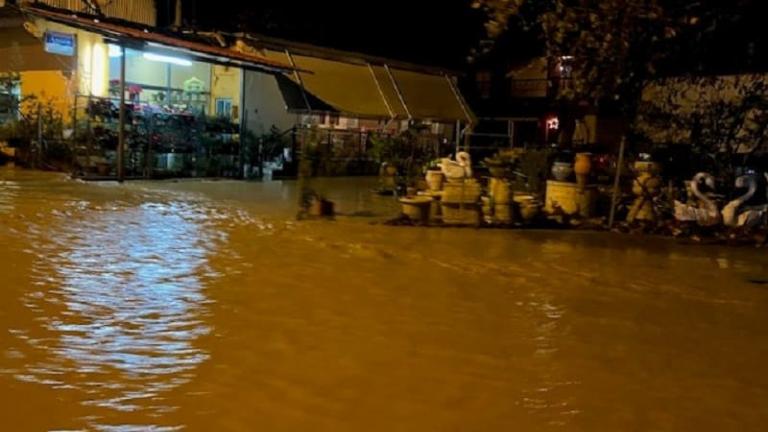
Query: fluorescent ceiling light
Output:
(167,59)
(115,51)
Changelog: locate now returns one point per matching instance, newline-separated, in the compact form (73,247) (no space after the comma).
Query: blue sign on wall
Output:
(60,43)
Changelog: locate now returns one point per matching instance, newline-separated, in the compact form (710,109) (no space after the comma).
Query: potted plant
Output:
(503,163)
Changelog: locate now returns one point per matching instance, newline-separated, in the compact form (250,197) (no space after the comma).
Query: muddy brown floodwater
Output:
(205,306)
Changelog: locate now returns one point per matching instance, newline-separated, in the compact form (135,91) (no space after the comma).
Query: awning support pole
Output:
(300,80)
(460,100)
(302,162)
(243,119)
(381,92)
(399,93)
(617,184)
(121,127)
(458,136)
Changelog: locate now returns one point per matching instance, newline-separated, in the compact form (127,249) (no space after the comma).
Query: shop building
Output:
(192,98)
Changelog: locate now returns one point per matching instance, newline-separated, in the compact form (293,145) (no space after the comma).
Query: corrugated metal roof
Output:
(208,52)
(135,11)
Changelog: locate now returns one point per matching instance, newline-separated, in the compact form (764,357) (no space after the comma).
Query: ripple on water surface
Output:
(119,297)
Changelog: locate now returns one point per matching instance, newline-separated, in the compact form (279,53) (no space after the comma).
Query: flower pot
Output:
(435,180)
(562,171)
(582,168)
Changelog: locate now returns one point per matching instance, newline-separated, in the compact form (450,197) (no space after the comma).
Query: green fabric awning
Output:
(431,97)
(368,91)
(389,91)
(348,88)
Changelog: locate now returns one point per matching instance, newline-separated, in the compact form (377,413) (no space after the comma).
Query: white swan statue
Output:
(750,217)
(459,169)
(708,214)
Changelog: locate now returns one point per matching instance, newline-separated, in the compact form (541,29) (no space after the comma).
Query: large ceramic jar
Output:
(562,171)
(583,167)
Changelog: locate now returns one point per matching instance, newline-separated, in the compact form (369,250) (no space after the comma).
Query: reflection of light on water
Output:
(8,192)
(126,305)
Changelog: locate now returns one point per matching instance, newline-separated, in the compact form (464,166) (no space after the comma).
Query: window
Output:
(224,107)
(332,119)
(352,123)
(161,79)
(483,79)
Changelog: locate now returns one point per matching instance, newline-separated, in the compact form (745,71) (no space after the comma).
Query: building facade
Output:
(183,90)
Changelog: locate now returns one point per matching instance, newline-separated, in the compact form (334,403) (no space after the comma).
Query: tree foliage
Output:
(616,44)
(725,118)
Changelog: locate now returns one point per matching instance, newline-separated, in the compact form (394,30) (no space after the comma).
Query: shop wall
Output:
(91,64)
(264,104)
(226,84)
(51,86)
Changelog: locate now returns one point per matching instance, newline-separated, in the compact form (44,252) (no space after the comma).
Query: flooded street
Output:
(204,306)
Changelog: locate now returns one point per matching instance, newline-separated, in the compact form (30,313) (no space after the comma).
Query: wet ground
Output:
(205,306)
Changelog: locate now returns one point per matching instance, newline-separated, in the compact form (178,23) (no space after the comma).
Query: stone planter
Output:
(417,209)
(463,192)
(461,214)
(500,191)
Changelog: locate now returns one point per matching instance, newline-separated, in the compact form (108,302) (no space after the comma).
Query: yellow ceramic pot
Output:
(582,168)
(435,180)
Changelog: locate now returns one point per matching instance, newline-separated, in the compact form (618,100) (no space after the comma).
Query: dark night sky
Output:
(442,32)
(438,32)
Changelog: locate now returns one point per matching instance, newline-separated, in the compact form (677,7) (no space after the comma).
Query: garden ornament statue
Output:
(708,214)
(749,217)
(647,187)
(459,169)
